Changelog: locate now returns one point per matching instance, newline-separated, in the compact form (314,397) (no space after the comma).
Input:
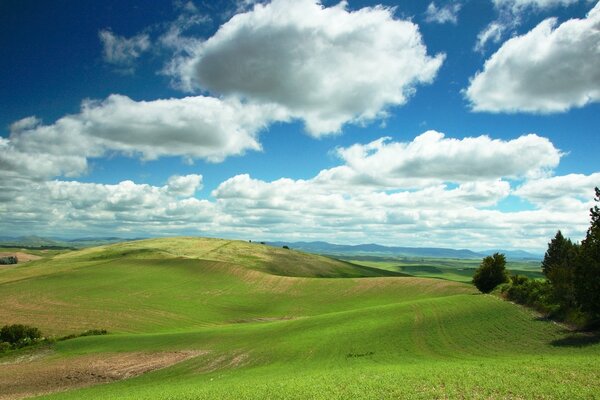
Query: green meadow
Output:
(454,269)
(279,324)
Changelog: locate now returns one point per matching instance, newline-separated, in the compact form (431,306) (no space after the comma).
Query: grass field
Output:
(261,322)
(454,269)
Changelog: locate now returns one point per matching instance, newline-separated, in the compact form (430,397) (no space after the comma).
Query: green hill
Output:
(261,322)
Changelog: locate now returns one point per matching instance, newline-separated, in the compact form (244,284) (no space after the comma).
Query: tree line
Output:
(571,290)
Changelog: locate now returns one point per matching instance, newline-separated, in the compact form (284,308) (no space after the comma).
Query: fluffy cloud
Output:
(389,192)
(510,15)
(184,185)
(103,208)
(121,51)
(294,209)
(574,187)
(549,69)
(431,157)
(193,127)
(366,198)
(325,65)
(444,14)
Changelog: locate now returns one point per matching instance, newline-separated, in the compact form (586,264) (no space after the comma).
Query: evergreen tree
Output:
(558,253)
(491,273)
(587,266)
(558,266)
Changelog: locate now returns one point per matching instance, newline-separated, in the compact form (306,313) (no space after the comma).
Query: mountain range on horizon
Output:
(318,247)
(321,247)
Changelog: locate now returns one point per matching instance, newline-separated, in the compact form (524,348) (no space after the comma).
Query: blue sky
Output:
(450,123)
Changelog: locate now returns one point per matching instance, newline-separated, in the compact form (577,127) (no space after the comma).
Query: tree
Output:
(558,253)
(558,266)
(491,273)
(587,266)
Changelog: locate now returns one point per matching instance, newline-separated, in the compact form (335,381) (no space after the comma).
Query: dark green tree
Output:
(558,266)
(558,253)
(587,266)
(491,273)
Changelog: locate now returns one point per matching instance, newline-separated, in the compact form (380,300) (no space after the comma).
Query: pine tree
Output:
(558,266)
(558,254)
(587,266)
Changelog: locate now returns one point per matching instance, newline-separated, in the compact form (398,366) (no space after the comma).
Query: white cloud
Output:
(444,14)
(122,51)
(327,66)
(549,69)
(184,185)
(435,215)
(493,32)
(193,127)
(71,207)
(432,157)
(410,193)
(510,15)
(573,186)
(520,5)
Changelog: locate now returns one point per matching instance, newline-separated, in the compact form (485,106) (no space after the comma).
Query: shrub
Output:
(89,332)
(94,332)
(19,335)
(533,293)
(9,260)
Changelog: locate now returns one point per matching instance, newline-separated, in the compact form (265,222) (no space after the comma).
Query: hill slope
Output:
(260,335)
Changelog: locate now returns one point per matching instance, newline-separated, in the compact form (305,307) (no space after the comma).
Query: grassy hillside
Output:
(257,333)
(454,269)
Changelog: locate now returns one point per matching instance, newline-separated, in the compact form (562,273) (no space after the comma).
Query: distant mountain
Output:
(57,243)
(318,247)
(514,254)
(373,249)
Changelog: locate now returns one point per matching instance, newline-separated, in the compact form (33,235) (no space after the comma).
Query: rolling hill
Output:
(244,320)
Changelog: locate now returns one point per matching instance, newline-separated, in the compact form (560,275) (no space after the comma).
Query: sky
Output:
(460,123)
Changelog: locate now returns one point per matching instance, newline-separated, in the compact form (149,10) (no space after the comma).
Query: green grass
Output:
(300,336)
(459,270)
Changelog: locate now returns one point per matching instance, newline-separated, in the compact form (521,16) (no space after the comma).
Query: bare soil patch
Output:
(21,257)
(21,378)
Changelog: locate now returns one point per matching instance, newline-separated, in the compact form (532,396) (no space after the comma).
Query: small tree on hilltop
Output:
(587,266)
(491,273)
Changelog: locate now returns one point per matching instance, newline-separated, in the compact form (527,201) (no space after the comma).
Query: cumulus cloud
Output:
(121,51)
(325,65)
(433,157)
(573,186)
(193,127)
(184,185)
(92,207)
(552,68)
(443,14)
(510,15)
(389,192)
(296,209)
(394,190)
